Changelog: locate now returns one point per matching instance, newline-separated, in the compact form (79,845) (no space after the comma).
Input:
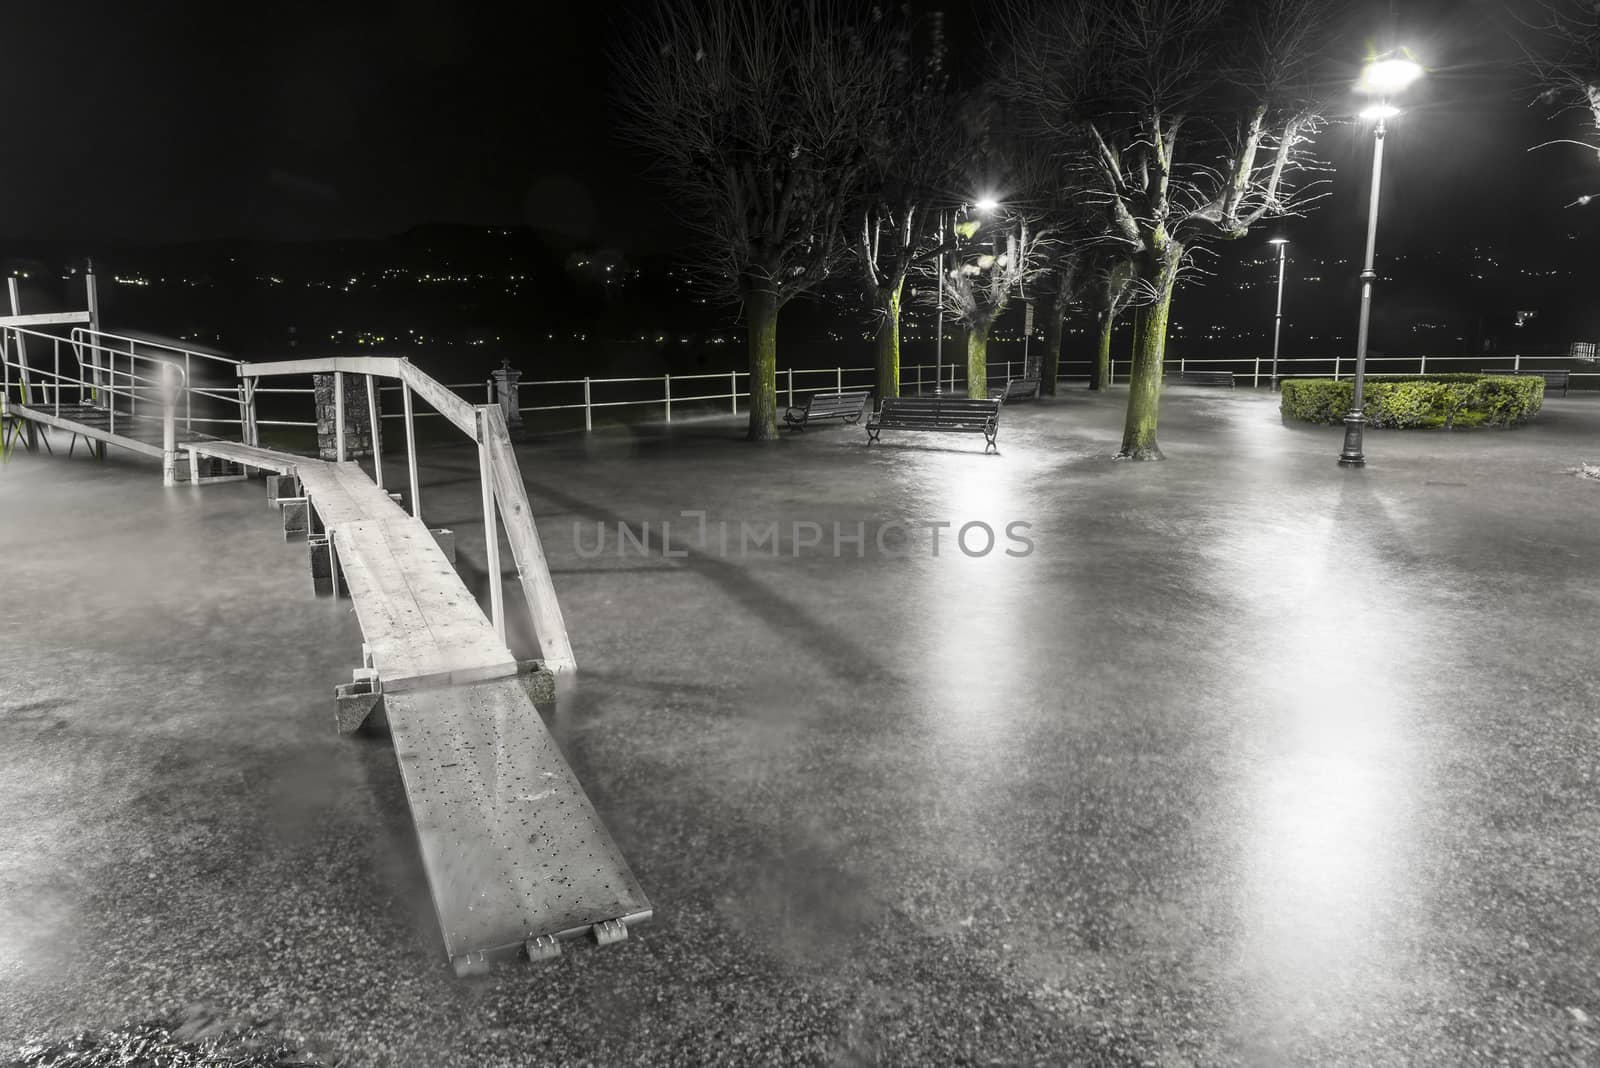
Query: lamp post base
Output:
(1353,423)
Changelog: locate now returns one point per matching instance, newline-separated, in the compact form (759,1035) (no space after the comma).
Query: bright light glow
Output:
(987,205)
(1277,240)
(1385,77)
(1380,111)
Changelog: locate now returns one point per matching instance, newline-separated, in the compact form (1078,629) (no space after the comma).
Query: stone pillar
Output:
(357,424)
(505,390)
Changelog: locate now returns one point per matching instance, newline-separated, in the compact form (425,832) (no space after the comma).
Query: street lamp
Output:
(1277,322)
(1382,77)
(985,206)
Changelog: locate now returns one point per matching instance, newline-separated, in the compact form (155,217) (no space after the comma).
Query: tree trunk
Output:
(1101,376)
(978,361)
(761,320)
(1050,359)
(888,342)
(1149,354)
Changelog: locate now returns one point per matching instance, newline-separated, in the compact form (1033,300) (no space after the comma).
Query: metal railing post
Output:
(1255,379)
(588,410)
(1424,364)
(733,393)
(1336,367)
(791,387)
(169,425)
(411,452)
(919,379)
(668,379)
(188,395)
(1516,362)
(838,379)
(55,389)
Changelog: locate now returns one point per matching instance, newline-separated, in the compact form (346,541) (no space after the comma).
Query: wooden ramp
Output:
(132,432)
(516,857)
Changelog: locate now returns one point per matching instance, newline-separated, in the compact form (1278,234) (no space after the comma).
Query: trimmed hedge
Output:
(1402,401)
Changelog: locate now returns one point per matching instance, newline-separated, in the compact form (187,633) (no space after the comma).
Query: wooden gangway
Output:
(516,857)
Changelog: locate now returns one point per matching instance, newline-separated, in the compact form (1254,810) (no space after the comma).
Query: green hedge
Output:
(1418,401)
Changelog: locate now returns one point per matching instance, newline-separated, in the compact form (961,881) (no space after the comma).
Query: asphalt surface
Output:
(1250,760)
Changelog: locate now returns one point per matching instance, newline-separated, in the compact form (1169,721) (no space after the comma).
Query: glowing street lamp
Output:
(1277,322)
(986,205)
(1382,77)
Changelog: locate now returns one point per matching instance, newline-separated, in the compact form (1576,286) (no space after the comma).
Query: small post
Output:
(733,391)
(588,412)
(491,532)
(169,424)
(1516,363)
(838,379)
(1424,364)
(668,380)
(373,433)
(919,379)
(188,397)
(338,415)
(791,387)
(506,389)
(1181,361)
(1336,367)
(1255,379)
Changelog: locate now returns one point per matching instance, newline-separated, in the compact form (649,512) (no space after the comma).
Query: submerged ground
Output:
(1252,760)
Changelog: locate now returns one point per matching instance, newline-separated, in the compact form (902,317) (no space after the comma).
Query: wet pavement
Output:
(1250,760)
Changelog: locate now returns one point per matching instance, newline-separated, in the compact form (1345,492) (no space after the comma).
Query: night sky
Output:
(169,122)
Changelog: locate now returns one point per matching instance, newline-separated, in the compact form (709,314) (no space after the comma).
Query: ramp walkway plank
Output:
(421,624)
(135,433)
(248,455)
(511,845)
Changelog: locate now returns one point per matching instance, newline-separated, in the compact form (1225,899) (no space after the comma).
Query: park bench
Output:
(847,406)
(1552,379)
(1207,378)
(946,415)
(1016,389)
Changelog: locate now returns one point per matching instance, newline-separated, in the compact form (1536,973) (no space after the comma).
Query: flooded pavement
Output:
(1239,758)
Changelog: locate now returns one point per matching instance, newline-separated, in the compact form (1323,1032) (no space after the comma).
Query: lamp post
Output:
(985,205)
(1277,322)
(1383,77)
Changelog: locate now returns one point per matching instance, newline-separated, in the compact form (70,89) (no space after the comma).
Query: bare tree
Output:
(1562,45)
(1110,292)
(981,283)
(1186,120)
(759,115)
(916,161)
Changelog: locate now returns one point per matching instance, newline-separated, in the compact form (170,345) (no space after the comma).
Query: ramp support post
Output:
(491,530)
(374,434)
(411,452)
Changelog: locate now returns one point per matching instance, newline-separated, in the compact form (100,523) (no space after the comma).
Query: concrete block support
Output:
(325,580)
(296,517)
(282,487)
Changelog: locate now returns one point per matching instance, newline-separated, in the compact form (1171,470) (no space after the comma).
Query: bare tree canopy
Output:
(759,116)
(1184,121)
(1562,44)
(911,170)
